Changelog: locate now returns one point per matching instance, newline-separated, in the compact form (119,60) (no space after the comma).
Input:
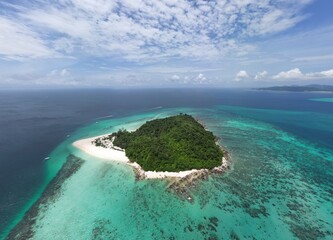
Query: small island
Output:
(306,88)
(175,146)
(172,144)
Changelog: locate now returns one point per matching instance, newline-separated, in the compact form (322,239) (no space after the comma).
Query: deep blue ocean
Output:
(34,122)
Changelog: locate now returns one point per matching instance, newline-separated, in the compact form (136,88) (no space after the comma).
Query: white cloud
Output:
(64,72)
(273,21)
(200,78)
(56,77)
(261,75)
(175,77)
(296,74)
(328,73)
(59,73)
(241,75)
(18,41)
(146,30)
(291,74)
(165,41)
(185,79)
(313,58)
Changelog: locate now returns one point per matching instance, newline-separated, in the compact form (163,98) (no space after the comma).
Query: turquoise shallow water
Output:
(279,187)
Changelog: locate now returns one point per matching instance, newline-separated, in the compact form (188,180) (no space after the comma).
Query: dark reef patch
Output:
(24,229)
(208,228)
(233,236)
(103,229)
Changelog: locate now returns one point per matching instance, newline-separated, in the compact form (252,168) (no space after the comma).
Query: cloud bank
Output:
(144,42)
(298,75)
(293,74)
(142,29)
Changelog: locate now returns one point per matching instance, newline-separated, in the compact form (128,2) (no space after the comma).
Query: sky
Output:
(165,43)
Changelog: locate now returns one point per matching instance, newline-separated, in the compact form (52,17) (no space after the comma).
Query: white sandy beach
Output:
(116,154)
(87,146)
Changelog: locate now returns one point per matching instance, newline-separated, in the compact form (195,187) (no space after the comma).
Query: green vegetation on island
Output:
(171,144)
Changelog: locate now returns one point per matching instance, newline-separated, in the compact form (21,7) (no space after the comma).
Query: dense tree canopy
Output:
(175,143)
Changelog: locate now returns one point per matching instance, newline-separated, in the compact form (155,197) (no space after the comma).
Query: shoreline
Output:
(116,154)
